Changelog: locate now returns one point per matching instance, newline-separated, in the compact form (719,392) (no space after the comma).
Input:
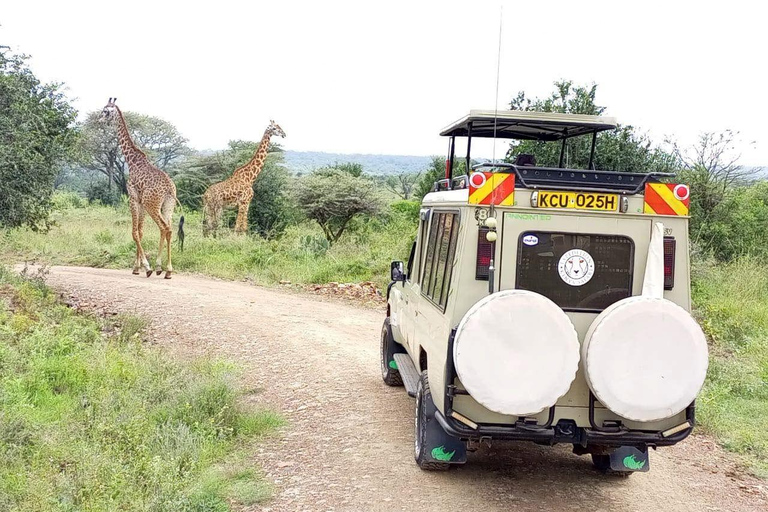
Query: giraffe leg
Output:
(167,212)
(206,216)
(216,210)
(137,218)
(159,259)
(165,232)
(142,258)
(241,225)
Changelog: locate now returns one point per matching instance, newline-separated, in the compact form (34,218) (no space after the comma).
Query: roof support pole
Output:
(469,145)
(451,158)
(562,153)
(592,152)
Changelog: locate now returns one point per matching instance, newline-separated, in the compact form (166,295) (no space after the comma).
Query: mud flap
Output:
(630,459)
(441,447)
(392,347)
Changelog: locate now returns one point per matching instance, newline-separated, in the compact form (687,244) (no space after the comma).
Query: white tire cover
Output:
(645,358)
(516,352)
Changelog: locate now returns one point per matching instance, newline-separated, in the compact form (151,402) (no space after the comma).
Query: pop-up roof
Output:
(526,125)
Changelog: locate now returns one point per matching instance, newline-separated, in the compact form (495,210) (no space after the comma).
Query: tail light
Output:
(484,248)
(669,262)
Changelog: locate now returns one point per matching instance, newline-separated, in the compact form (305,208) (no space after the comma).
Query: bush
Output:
(65,200)
(737,226)
(272,209)
(409,210)
(101,192)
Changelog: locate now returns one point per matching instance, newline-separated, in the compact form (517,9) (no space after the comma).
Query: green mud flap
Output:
(442,447)
(630,459)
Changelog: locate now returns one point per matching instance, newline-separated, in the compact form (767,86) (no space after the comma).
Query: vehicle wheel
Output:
(603,463)
(423,401)
(389,372)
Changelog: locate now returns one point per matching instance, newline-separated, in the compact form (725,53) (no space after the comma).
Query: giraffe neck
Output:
(133,155)
(252,169)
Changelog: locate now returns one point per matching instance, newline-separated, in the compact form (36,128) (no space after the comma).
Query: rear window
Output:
(577,272)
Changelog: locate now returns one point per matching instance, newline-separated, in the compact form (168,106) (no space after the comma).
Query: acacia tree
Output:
(622,149)
(36,137)
(99,151)
(711,167)
(403,183)
(333,197)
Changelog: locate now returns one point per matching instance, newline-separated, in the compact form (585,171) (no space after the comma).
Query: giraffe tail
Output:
(180,233)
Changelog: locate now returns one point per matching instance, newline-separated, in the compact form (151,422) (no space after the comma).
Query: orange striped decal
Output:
(667,199)
(492,188)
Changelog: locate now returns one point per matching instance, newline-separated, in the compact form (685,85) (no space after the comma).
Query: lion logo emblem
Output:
(576,267)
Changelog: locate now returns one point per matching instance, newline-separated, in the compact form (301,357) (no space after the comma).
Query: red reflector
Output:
(669,262)
(484,248)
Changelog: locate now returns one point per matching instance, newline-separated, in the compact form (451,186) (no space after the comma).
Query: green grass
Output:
(100,236)
(732,305)
(93,420)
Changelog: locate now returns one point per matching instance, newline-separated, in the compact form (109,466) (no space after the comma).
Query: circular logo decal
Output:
(576,267)
(477,179)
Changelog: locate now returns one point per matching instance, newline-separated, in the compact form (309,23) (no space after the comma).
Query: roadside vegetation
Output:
(92,419)
(100,236)
(731,301)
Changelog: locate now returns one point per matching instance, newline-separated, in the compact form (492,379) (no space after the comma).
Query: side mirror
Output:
(397,271)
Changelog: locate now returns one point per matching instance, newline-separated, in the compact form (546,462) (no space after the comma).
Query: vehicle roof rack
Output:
(527,125)
(554,178)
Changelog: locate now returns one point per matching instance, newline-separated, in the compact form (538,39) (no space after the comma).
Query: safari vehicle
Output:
(546,304)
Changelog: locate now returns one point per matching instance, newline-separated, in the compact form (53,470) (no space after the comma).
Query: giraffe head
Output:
(109,112)
(274,129)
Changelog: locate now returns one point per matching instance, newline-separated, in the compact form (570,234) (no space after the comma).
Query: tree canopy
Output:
(333,197)
(98,149)
(622,149)
(36,137)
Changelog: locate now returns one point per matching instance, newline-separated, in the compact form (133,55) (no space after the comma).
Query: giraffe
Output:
(150,191)
(238,188)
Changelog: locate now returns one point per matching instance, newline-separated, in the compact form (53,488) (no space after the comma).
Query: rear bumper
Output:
(565,431)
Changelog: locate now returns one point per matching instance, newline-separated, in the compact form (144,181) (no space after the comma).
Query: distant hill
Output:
(307,161)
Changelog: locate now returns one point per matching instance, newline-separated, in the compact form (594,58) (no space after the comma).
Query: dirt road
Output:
(348,445)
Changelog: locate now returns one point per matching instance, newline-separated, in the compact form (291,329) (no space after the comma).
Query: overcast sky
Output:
(385,77)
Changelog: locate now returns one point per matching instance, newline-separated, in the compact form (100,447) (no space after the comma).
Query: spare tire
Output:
(516,352)
(645,358)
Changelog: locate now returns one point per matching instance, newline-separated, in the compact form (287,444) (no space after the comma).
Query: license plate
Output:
(578,200)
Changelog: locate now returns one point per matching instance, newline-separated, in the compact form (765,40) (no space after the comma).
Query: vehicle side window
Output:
(424,225)
(440,251)
(409,270)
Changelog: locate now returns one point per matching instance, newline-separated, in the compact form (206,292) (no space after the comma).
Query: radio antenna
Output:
(498,68)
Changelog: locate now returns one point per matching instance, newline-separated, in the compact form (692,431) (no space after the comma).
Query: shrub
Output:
(101,192)
(65,200)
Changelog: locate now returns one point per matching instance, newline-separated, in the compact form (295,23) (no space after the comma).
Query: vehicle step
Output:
(408,372)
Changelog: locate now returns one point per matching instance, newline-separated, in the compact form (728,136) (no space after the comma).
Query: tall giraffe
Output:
(238,188)
(150,191)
